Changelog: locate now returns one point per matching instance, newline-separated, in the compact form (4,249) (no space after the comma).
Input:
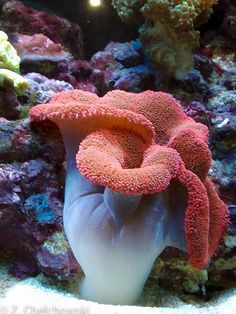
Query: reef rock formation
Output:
(19,18)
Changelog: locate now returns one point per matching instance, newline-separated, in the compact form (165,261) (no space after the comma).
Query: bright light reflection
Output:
(95,3)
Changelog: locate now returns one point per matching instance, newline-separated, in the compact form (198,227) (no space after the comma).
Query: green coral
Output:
(8,55)
(128,10)
(9,66)
(57,244)
(10,78)
(169,34)
(184,276)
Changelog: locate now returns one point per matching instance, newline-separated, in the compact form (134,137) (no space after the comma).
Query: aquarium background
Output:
(65,45)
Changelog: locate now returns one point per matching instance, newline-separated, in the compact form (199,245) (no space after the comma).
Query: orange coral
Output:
(172,127)
(138,143)
(91,113)
(127,165)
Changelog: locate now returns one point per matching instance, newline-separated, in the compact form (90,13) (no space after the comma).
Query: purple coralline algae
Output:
(18,142)
(118,66)
(41,89)
(30,215)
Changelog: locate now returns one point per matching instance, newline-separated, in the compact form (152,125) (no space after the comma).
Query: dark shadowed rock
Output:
(17,17)
(17,141)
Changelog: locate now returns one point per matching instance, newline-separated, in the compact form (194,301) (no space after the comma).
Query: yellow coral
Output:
(12,79)
(168,34)
(8,55)
(9,66)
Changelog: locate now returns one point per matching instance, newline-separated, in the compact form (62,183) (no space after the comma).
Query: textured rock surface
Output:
(55,258)
(229,22)
(16,17)
(41,89)
(17,141)
(9,104)
(39,54)
(118,66)
(30,214)
(38,48)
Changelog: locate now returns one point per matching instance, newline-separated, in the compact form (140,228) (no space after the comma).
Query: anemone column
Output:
(115,237)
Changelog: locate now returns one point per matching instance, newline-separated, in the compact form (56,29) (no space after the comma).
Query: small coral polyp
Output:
(136,183)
